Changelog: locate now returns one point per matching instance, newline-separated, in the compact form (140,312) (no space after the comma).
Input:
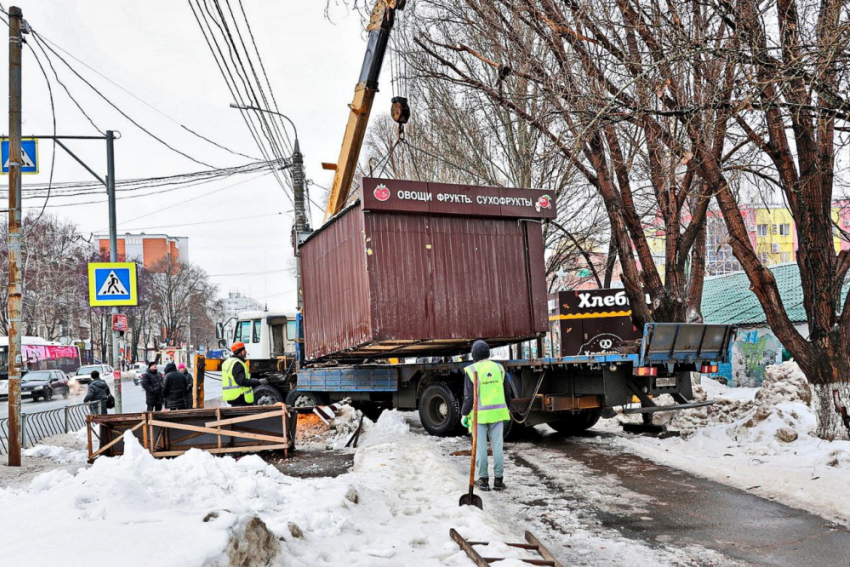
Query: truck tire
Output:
(439,410)
(267,396)
(302,399)
(576,423)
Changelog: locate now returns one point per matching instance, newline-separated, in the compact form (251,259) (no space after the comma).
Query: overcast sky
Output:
(155,50)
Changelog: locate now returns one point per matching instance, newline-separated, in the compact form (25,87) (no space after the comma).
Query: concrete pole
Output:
(299,203)
(114,358)
(15,237)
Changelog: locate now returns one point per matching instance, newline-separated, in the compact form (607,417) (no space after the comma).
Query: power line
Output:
(202,222)
(121,112)
(230,81)
(32,225)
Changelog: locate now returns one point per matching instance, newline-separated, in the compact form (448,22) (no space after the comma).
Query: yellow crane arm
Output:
(380,24)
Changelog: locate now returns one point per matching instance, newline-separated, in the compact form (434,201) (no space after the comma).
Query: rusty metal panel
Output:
(407,277)
(436,278)
(336,294)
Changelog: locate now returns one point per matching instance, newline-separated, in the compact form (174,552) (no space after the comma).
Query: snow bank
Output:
(390,427)
(759,439)
(58,454)
(394,508)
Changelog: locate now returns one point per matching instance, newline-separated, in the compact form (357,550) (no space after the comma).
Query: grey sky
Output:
(155,50)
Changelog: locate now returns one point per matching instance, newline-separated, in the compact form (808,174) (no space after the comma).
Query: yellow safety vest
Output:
(230,390)
(491,403)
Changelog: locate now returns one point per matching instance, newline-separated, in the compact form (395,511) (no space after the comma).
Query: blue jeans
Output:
(495,432)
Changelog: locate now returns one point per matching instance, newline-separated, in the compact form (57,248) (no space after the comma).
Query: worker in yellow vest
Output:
(236,382)
(494,393)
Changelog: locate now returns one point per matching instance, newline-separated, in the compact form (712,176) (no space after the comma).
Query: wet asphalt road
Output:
(688,510)
(133,397)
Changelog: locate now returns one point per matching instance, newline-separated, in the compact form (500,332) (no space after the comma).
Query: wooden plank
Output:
(544,553)
(237,449)
(470,551)
(116,440)
(285,432)
(89,426)
(218,418)
(186,437)
(223,432)
(244,418)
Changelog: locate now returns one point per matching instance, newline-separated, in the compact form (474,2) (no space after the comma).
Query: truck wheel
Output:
(266,396)
(302,399)
(576,423)
(439,410)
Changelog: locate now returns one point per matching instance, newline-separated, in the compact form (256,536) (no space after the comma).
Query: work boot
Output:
(498,484)
(483,484)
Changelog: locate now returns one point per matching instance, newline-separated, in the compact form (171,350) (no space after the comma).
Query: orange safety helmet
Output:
(236,347)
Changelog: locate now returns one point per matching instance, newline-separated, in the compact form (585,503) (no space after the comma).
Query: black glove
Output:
(264,382)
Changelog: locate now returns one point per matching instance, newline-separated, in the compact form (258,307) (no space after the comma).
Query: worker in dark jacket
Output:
(98,392)
(190,381)
(236,382)
(174,388)
(494,393)
(152,384)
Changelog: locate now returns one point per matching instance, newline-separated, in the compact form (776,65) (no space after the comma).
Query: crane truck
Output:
(586,364)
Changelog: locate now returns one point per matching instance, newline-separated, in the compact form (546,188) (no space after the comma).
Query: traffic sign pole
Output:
(115,359)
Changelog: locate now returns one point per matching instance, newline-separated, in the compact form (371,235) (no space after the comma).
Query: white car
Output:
(4,388)
(83,374)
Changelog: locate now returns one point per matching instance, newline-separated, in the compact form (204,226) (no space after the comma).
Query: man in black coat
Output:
(174,389)
(190,383)
(152,385)
(98,392)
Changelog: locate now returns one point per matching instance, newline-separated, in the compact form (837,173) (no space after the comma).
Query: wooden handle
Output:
(474,430)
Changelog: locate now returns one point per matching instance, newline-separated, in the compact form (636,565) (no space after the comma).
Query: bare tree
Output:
(177,289)
(600,82)
(790,107)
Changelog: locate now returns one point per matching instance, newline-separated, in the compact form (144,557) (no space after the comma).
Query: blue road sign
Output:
(29,157)
(112,284)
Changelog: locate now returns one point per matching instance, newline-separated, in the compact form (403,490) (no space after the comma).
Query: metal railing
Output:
(40,425)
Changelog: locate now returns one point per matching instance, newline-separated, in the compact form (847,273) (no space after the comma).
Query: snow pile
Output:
(313,433)
(58,454)
(390,427)
(394,508)
(760,439)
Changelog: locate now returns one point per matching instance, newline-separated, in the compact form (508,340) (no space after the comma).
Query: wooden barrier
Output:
(246,429)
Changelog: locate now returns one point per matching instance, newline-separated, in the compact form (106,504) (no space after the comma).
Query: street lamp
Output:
(301,228)
(256,109)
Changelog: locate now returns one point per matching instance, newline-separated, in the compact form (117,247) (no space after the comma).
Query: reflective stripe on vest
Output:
(230,390)
(491,403)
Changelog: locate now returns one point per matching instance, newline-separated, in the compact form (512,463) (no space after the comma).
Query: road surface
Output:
(600,505)
(133,397)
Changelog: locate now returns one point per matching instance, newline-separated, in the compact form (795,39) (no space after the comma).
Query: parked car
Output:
(4,387)
(83,374)
(44,383)
(139,368)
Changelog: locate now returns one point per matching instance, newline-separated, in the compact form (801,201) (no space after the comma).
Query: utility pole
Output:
(299,204)
(114,357)
(15,238)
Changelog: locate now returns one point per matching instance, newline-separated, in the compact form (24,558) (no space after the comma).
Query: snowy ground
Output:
(757,439)
(396,504)
(394,508)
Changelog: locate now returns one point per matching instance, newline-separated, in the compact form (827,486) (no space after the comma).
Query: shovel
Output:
(473,499)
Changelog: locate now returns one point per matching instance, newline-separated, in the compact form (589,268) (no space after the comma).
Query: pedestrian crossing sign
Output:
(29,155)
(112,284)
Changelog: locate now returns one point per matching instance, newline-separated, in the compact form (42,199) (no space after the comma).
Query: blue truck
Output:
(570,393)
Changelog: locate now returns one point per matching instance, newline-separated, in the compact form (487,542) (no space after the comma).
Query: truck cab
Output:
(269,338)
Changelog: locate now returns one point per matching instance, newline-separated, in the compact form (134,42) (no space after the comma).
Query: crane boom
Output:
(380,25)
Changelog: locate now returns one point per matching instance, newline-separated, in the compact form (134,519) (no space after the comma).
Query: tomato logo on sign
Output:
(382,193)
(543,202)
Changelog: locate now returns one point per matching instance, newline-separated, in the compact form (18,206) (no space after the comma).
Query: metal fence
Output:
(43,424)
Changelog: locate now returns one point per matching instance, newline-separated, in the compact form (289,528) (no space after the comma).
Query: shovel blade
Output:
(471,500)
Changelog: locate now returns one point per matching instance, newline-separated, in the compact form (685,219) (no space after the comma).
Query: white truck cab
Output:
(269,338)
